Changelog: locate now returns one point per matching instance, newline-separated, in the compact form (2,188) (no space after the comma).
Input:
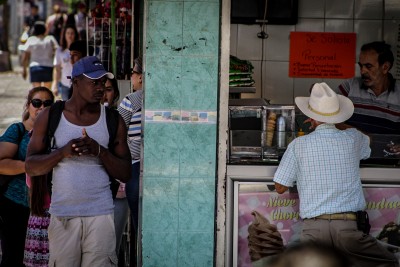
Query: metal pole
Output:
(132,34)
(113,39)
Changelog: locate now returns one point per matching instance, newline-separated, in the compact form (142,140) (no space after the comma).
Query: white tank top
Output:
(81,185)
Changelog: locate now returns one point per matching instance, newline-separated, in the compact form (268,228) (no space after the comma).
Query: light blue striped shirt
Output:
(131,111)
(325,167)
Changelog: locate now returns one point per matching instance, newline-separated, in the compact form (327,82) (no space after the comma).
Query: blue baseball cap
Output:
(91,67)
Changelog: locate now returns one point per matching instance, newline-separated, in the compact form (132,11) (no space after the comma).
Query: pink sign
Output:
(383,206)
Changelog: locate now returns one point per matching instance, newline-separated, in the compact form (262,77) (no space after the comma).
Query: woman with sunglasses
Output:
(14,207)
(36,253)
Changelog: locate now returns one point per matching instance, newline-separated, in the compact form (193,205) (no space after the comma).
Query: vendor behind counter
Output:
(376,98)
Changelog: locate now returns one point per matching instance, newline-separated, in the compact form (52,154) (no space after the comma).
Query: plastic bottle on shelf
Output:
(281,132)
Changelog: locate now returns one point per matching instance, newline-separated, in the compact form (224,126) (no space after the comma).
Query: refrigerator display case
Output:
(246,120)
(279,130)
(251,188)
(259,131)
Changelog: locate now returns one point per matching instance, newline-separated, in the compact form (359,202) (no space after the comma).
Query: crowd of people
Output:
(45,53)
(53,36)
(88,137)
(82,143)
(58,209)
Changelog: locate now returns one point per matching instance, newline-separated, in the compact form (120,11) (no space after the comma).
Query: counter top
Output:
(275,162)
(368,174)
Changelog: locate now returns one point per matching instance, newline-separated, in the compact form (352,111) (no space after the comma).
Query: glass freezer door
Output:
(383,207)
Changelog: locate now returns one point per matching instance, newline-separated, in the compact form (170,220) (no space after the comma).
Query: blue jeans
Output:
(120,219)
(63,91)
(132,194)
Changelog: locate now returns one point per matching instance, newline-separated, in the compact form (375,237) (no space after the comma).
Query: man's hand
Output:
(55,88)
(313,123)
(310,122)
(85,145)
(280,188)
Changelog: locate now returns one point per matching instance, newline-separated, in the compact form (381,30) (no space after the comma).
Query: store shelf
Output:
(239,90)
(234,92)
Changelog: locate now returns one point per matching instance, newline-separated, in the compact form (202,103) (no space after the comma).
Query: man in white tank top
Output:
(81,231)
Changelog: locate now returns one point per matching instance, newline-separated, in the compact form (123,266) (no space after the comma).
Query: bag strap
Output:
(21,132)
(112,118)
(55,113)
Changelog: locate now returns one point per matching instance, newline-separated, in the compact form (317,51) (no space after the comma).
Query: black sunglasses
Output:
(37,103)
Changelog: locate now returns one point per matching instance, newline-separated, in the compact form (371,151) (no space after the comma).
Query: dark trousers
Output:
(14,221)
(132,195)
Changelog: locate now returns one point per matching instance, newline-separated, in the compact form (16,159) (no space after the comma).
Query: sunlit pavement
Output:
(13,91)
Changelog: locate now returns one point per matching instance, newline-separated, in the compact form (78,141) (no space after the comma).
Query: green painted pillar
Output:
(181,59)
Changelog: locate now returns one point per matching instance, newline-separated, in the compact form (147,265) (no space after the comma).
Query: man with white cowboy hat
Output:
(325,167)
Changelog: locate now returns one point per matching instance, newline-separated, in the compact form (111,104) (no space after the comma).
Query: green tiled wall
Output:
(179,167)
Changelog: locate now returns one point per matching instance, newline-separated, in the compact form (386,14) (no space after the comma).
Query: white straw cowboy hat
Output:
(325,105)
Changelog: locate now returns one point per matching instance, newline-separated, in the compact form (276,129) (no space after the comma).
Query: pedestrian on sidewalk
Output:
(38,55)
(14,207)
(56,22)
(81,230)
(131,111)
(30,20)
(62,63)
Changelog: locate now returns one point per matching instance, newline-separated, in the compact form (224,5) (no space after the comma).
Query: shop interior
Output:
(262,37)
(260,47)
